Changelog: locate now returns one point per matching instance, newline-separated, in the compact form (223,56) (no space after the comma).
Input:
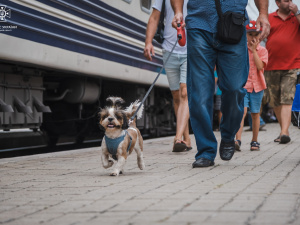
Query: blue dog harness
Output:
(113,143)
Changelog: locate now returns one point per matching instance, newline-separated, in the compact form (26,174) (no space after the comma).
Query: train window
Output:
(128,1)
(146,5)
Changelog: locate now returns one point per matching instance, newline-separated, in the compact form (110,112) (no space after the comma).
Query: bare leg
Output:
(182,128)
(277,111)
(219,117)
(255,125)
(285,119)
(175,95)
(239,133)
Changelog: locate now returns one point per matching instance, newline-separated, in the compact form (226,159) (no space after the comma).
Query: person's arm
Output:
(263,20)
(150,32)
(258,62)
(294,8)
(177,6)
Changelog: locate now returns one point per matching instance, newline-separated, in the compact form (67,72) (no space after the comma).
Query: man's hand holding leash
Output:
(177,6)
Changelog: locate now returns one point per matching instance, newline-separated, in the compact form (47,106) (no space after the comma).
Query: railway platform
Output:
(72,187)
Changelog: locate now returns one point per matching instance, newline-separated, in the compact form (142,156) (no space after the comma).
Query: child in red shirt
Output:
(258,59)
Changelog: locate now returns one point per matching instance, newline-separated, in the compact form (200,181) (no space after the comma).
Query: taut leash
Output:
(152,85)
(182,40)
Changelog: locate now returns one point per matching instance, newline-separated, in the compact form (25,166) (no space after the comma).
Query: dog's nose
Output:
(110,119)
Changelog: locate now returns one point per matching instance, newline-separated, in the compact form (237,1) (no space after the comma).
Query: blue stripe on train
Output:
(39,27)
(99,16)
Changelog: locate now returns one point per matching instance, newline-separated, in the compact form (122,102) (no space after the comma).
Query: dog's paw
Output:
(141,165)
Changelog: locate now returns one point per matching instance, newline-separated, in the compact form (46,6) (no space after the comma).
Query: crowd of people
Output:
(245,72)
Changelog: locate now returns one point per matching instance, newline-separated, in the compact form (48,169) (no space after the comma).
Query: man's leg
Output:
(277,111)
(183,116)
(200,87)
(285,118)
(172,68)
(232,69)
(176,100)
(273,80)
(288,89)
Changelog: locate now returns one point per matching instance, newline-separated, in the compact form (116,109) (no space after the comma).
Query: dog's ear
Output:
(125,123)
(101,127)
(99,119)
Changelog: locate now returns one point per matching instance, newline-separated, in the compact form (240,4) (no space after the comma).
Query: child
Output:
(258,59)
(218,100)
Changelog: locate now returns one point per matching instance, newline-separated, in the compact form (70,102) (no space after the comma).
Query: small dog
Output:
(120,140)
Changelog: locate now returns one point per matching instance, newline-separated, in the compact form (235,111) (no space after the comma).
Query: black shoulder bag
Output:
(230,26)
(159,35)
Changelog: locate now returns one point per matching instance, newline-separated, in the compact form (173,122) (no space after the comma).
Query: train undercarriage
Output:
(40,106)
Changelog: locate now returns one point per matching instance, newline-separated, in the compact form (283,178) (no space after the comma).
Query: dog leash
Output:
(181,39)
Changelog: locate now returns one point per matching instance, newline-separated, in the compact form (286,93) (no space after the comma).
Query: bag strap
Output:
(162,13)
(218,7)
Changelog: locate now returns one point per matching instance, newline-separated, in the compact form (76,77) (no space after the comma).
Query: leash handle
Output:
(181,34)
(149,90)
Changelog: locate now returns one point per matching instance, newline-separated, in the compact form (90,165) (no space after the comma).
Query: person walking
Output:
(283,46)
(218,95)
(204,51)
(255,86)
(175,68)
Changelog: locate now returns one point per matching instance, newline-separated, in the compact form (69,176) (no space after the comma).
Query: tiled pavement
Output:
(72,187)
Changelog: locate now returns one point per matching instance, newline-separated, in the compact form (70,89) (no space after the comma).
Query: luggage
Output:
(296,104)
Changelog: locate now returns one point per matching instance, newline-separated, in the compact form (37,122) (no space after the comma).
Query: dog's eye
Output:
(119,117)
(104,115)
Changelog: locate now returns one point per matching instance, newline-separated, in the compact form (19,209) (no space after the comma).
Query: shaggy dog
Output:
(120,139)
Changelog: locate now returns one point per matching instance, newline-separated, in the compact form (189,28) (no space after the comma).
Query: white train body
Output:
(66,52)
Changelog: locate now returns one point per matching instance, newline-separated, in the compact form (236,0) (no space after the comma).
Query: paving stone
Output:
(72,187)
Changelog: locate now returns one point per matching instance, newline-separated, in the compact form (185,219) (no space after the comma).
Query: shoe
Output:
(203,162)
(226,150)
(255,146)
(284,139)
(189,148)
(179,146)
(277,139)
(238,144)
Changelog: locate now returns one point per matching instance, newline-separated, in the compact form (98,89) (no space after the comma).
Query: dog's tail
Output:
(116,102)
(130,110)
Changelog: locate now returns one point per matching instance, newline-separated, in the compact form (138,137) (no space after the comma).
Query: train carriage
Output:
(60,59)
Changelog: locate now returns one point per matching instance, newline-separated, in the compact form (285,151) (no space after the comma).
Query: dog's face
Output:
(112,119)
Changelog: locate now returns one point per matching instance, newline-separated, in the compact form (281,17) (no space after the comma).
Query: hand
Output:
(263,21)
(178,18)
(148,51)
(253,44)
(293,7)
